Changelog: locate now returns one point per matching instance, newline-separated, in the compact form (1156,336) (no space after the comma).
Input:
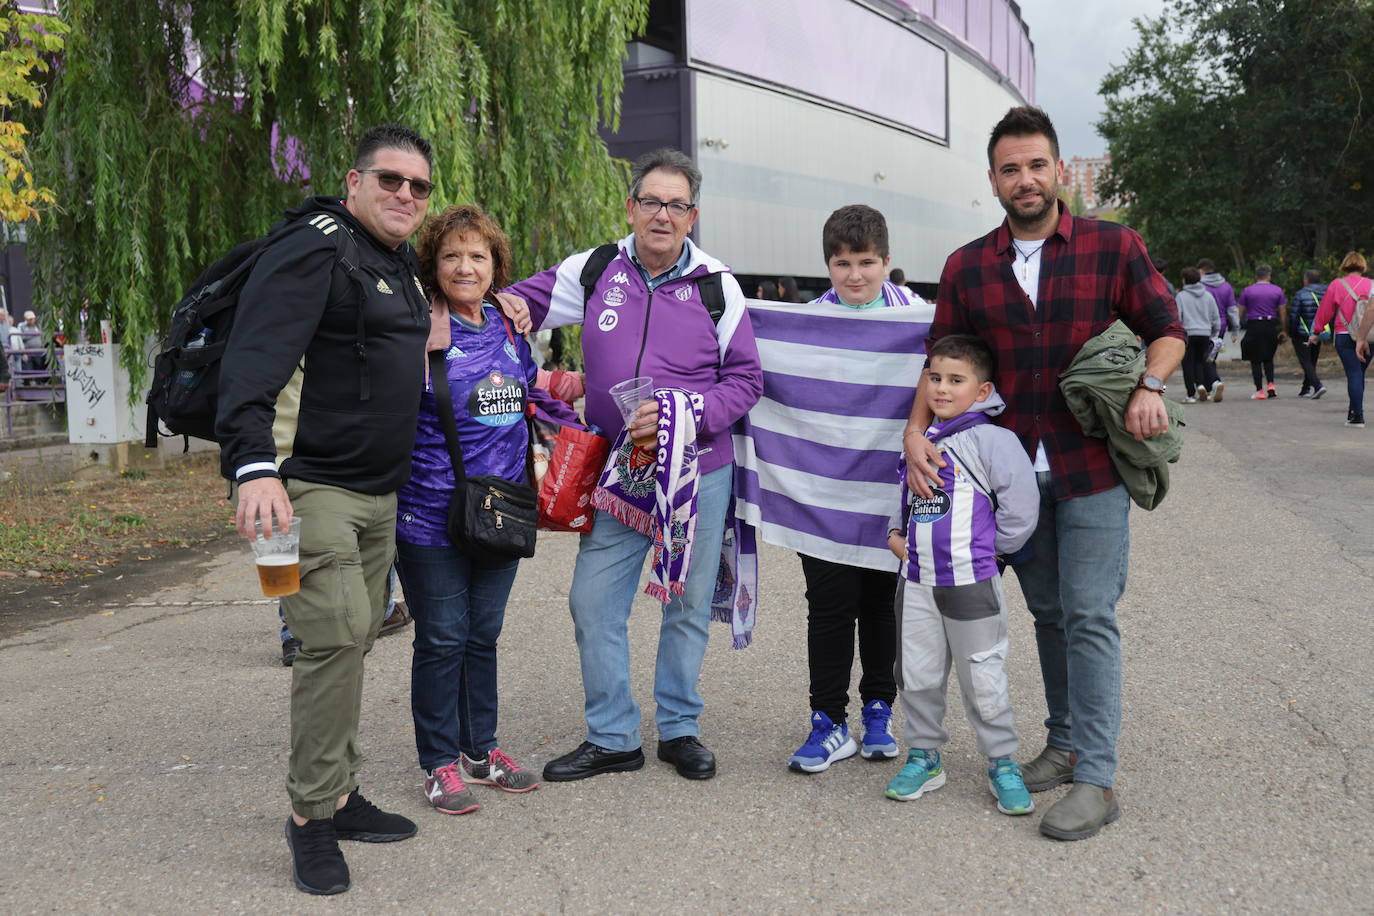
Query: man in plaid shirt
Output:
(1037,288)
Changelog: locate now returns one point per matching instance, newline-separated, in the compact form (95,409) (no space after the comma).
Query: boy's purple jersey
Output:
(954,537)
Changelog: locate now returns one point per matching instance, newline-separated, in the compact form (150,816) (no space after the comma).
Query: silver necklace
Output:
(1026,256)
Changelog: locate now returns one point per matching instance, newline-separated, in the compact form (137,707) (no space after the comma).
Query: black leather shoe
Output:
(591,760)
(686,754)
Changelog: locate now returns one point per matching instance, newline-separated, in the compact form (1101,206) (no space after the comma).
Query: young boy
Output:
(842,598)
(953,608)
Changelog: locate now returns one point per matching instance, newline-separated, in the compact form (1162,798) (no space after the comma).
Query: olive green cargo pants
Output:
(348,543)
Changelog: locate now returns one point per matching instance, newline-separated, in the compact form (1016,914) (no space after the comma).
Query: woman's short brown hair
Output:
(462,218)
(1352,262)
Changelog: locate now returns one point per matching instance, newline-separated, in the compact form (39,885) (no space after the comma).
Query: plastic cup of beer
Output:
(278,559)
(629,394)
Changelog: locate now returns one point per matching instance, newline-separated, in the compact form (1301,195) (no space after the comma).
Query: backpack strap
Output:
(1355,298)
(713,296)
(346,255)
(600,258)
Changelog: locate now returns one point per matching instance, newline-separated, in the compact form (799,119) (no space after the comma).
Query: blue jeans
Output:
(458,608)
(1354,371)
(1071,587)
(605,581)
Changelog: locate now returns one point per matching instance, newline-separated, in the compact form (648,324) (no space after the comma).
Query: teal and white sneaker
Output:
(826,744)
(921,774)
(1004,779)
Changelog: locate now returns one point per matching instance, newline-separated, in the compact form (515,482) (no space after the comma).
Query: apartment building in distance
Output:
(1081,174)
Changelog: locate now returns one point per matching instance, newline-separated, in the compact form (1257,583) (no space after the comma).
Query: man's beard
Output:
(1032,220)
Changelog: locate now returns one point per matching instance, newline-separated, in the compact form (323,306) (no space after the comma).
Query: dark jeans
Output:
(1354,372)
(837,597)
(1198,371)
(458,609)
(1307,355)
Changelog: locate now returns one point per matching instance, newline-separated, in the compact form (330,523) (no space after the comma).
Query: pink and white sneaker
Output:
(446,791)
(500,771)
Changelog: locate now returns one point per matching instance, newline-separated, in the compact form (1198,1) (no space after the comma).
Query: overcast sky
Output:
(1076,42)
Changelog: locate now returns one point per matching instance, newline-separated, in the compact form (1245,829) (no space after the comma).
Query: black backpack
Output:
(712,293)
(185,388)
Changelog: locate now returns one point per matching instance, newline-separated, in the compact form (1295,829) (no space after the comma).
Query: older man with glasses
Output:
(655,305)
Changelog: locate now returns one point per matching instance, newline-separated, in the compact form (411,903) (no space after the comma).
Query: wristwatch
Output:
(1150,383)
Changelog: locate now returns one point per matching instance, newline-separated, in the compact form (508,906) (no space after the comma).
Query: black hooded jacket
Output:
(291,399)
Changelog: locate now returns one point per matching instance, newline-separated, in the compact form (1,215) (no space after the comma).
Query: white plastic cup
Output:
(629,394)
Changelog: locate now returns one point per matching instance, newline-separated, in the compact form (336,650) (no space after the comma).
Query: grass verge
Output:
(70,530)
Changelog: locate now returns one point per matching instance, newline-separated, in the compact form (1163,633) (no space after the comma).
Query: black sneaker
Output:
(317,864)
(289,648)
(361,820)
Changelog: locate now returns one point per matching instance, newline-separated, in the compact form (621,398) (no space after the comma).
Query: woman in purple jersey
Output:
(458,604)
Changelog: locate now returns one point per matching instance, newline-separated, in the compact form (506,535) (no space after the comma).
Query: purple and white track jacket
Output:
(628,331)
(954,537)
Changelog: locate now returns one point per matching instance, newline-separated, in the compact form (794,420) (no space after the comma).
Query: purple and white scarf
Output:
(656,495)
(735,600)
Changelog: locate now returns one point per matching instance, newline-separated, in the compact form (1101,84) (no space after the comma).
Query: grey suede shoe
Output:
(1048,770)
(1081,813)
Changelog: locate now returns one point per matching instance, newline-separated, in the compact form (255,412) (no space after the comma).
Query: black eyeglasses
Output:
(676,209)
(392,181)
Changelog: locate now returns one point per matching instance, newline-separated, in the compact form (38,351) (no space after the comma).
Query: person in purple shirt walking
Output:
(458,603)
(953,610)
(648,311)
(1264,310)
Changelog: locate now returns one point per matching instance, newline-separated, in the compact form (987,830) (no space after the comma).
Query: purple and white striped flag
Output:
(814,457)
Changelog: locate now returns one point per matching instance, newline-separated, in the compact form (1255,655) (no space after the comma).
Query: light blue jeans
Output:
(1071,587)
(605,583)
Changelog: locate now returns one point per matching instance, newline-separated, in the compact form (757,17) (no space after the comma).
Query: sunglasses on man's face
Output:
(392,181)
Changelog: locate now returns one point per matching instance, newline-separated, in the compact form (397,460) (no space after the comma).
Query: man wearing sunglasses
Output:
(645,310)
(319,390)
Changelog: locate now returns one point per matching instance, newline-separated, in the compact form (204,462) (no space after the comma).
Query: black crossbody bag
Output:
(490,519)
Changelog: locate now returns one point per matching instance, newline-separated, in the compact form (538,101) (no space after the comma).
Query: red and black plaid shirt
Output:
(1091,273)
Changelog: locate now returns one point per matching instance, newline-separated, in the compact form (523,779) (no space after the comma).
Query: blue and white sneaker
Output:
(922,773)
(827,744)
(878,742)
(1004,779)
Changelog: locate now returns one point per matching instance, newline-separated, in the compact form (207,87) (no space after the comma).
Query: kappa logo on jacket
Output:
(383,288)
(620,278)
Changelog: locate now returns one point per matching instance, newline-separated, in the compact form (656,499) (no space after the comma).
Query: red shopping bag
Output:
(576,458)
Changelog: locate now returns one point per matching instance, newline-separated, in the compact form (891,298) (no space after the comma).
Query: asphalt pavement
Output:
(144,741)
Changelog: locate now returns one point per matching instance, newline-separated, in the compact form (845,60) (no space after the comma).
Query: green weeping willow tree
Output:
(174,130)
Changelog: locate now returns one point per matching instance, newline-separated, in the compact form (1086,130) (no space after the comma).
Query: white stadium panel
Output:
(786,163)
(795,46)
